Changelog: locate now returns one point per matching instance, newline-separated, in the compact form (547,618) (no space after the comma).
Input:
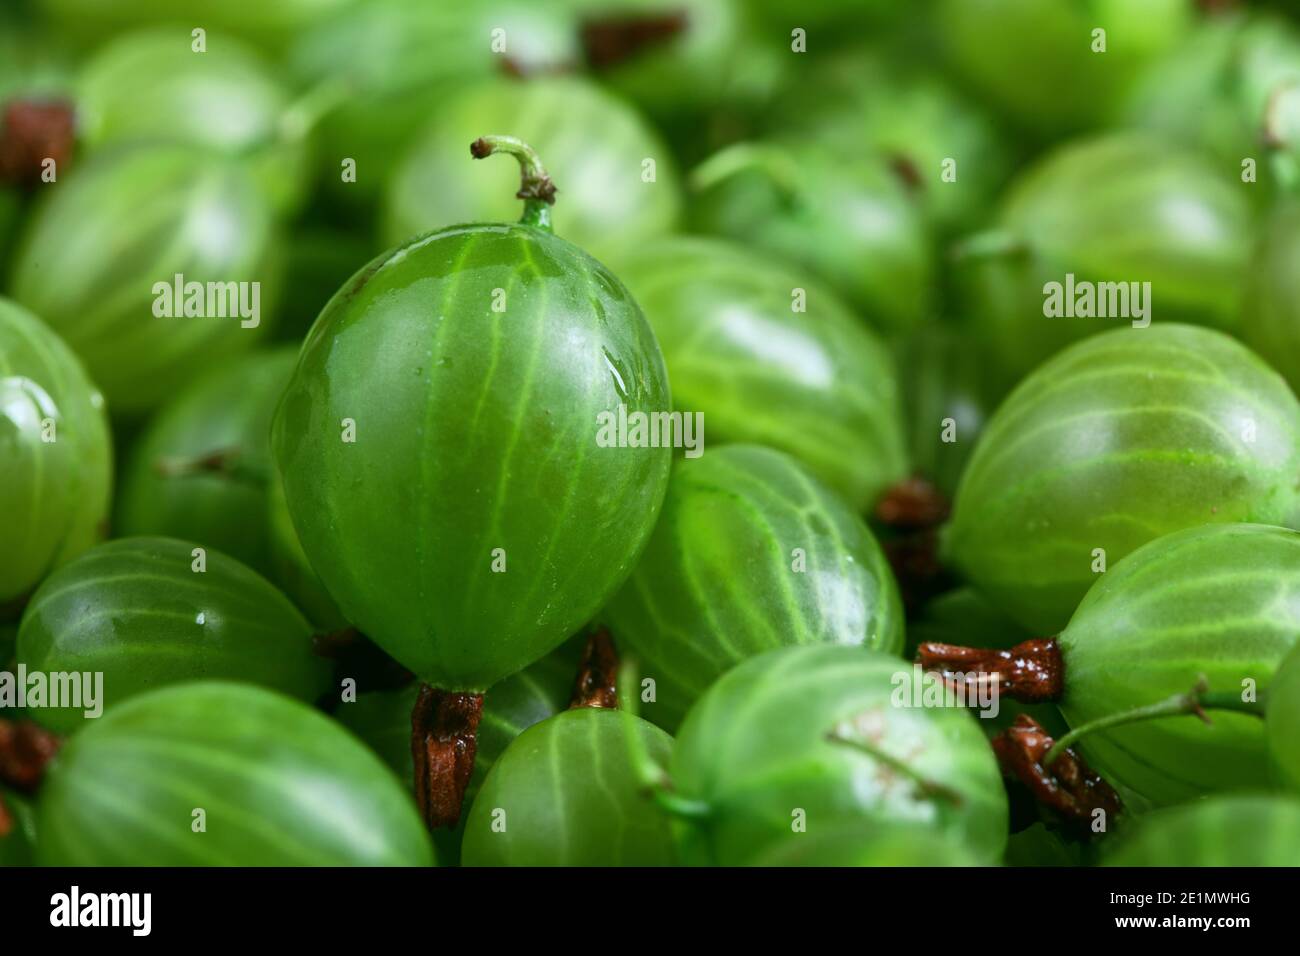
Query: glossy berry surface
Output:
(814,383)
(129,219)
(475,446)
(854,226)
(810,572)
(54,494)
(272,778)
(1124,437)
(1217,601)
(757,777)
(1056,222)
(136,611)
(566,793)
(1224,831)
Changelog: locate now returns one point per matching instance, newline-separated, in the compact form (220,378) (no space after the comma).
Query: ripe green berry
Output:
(854,225)
(151,85)
(1126,209)
(1204,602)
(137,611)
(57,471)
(769,358)
(226,413)
(1271,320)
(894,845)
(122,223)
(438,445)
(1282,723)
(223,774)
(1224,831)
(1231,90)
(566,793)
(1038,60)
(811,574)
(753,762)
(1121,438)
(605,205)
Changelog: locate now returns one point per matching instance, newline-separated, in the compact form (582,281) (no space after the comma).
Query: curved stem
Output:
(927,787)
(654,779)
(223,462)
(992,244)
(1196,701)
(747,157)
(305,113)
(535,186)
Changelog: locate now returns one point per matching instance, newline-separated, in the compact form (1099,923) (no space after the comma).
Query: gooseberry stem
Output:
(302,115)
(535,186)
(746,157)
(597,681)
(1196,701)
(444,742)
(927,787)
(224,462)
(654,779)
(25,750)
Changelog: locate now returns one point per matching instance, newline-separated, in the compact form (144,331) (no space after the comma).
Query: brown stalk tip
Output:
(480,148)
(913,504)
(1069,787)
(597,682)
(25,750)
(444,741)
(32,131)
(1031,672)
(612,40)
(6,818)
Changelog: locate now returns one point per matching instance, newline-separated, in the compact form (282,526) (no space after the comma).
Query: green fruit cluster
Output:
(649,433)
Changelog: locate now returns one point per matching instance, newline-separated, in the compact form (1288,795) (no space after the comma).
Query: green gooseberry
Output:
(893,845)
(865,98)
(147,612)
(755,768)
(1282,721)
(439,447)
(56,481)
(1206,602)
(1037,845)
(566,793)
(850,220)
(1042,61)
(407,60)
(271,25)
(278,784)
(290,568)
(1118,230)
(152,85)
(1271,318)
(606,204)
(769,358)
(225,415)
(1254,830)
(102,252)
(1231,89)
(1117,440)
(810,572)
(16,846)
